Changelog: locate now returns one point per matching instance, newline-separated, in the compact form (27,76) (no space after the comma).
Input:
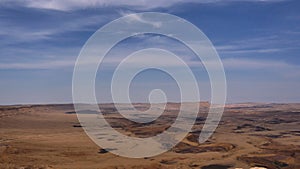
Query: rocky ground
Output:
(249,135)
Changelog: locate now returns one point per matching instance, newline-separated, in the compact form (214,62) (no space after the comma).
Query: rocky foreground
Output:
(249,135)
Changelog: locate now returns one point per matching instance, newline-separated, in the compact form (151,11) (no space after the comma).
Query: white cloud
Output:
(12,33)
(242,51)
(235,63)
(258,45)
(38,65)
(138,18)
(65,5)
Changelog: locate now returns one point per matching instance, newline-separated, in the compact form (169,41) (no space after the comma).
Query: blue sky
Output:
(258,42)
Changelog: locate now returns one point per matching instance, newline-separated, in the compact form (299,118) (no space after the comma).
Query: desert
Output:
(249,135)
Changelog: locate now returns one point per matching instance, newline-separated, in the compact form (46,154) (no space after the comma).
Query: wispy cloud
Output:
(259,49)
(237,64)
(38,65)
(258,45)
(66,5)
(132,17)
(237,50)
(26,32)
(251,64)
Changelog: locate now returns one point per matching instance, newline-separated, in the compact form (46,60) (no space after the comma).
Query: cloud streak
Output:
(27,32)
(136,18)
(38,65)
(67,5)
(229,64)
(258,45)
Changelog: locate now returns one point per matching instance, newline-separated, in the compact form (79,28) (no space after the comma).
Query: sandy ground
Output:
(252,134)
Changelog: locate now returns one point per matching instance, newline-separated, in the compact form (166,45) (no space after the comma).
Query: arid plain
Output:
(249,135)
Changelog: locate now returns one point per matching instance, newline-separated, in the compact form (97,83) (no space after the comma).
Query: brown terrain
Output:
(249,135)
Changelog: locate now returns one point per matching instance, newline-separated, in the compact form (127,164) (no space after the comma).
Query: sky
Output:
(258,42)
